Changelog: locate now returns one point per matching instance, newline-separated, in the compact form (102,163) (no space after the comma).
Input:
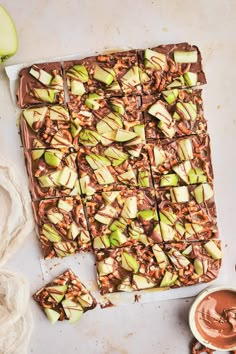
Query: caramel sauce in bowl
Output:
(212,318)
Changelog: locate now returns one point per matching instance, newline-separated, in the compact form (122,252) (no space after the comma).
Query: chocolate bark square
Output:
(160,266)
(61,226)
(183,161)
(123,218)
(106,75)
(113,167)
(41,83)
(65,298)
(170,66)
(52,173)
(46,127)
(173,113)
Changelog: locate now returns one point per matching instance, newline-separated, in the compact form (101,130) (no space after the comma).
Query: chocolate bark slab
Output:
(106,75)
(65,298)
(123,218)
(41,83)
(170,66)
(180,221)
(61,226)
(183,161)
(173,113)
(187,212)
(113,167)
(52,173)
(160,266)
(46,127)
(104,121)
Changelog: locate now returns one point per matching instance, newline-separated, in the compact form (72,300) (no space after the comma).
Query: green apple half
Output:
(8,36)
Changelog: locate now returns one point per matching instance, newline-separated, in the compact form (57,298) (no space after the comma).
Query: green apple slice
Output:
(78,72)
(141,282)
(190,79)
(45,95)
(50,233)
(119,224)
(167,231)
(41,75)
(178,259)
(203,192)
(65,205)
(85,300)
(187,110)
(59,113)
(73,310)
(213,250)
(177,82)
(129,263)
(179,194)
(64,249)
(35,115)
(85,186)
(106,266)
(154,60)
(54,216)
(53,157)
(36,154)
(185,149)
(89,137)
(124,135)
(171,95)
(181,56)
(57,292)
(74,231)
(57,83)
(182,170)
(8,36)
(167,217)
(128,178)
(105,214)
(198,266)
(110,122)
(159,156)
(130,208)
(168,279)
(160,256)
(159,111)
(101,242)
(117,105)
(117,238)
(125,285)
(105,75)
(104,176)
(77,88)
(147,215)
(67,177)
(169,180)
(52,315)
(143,178)
(131,78)
(96,161)
(50,179)
(110,197)
(166,129)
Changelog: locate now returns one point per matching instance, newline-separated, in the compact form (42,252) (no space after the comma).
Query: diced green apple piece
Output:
(85,300)
(34,115)
(141,282)
(203,192)
(104,176)
(147,214)
(195,178)
(213,250)
(169,180)
(73,310)
(159,111)
(64,249)
(128,177)
(108,138)
(41,75)
(129,263)
(92,101)
(117,105)
(8,36)
(139,129)
(106,266)
(96,161)
(131,78)
(85,186)
(65,205)
(185,149)
(134,231)
(179,194)
(167,217)
(198,266)
(67,177)
(50,179)
(182,170)
(119,224)
(50,233)
(117,238)
(110,197)
(74,231)
(77,88)
(178,259)
(167,231)
(54,216)
(110,122)
(130,209)
(156,234)
(190,79)
(57,83)
(176,116)
(53,157)
(124,135)
(125,285)
(143,77)
(160,256)
(37,144)
(171,95)
(105,76)
(187,110)
(168,130)
(115,86)
(59,113)
(52,315)
(57,292)
(159,155)
(58,141)
(180,229)
(89,137)
(100,242)
(36,154)
(177,82)
(45,95)
(154,60)
(105,214)
(168,279)
(181,56)
(81,72)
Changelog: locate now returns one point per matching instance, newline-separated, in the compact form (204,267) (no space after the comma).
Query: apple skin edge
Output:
(9,45)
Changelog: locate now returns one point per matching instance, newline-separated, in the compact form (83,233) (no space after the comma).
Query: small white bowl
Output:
(192,313)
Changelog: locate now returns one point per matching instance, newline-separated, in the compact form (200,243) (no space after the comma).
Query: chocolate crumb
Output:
(137,298)
(107,304)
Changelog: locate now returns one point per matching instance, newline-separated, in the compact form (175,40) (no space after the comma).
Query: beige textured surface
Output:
(59,27)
